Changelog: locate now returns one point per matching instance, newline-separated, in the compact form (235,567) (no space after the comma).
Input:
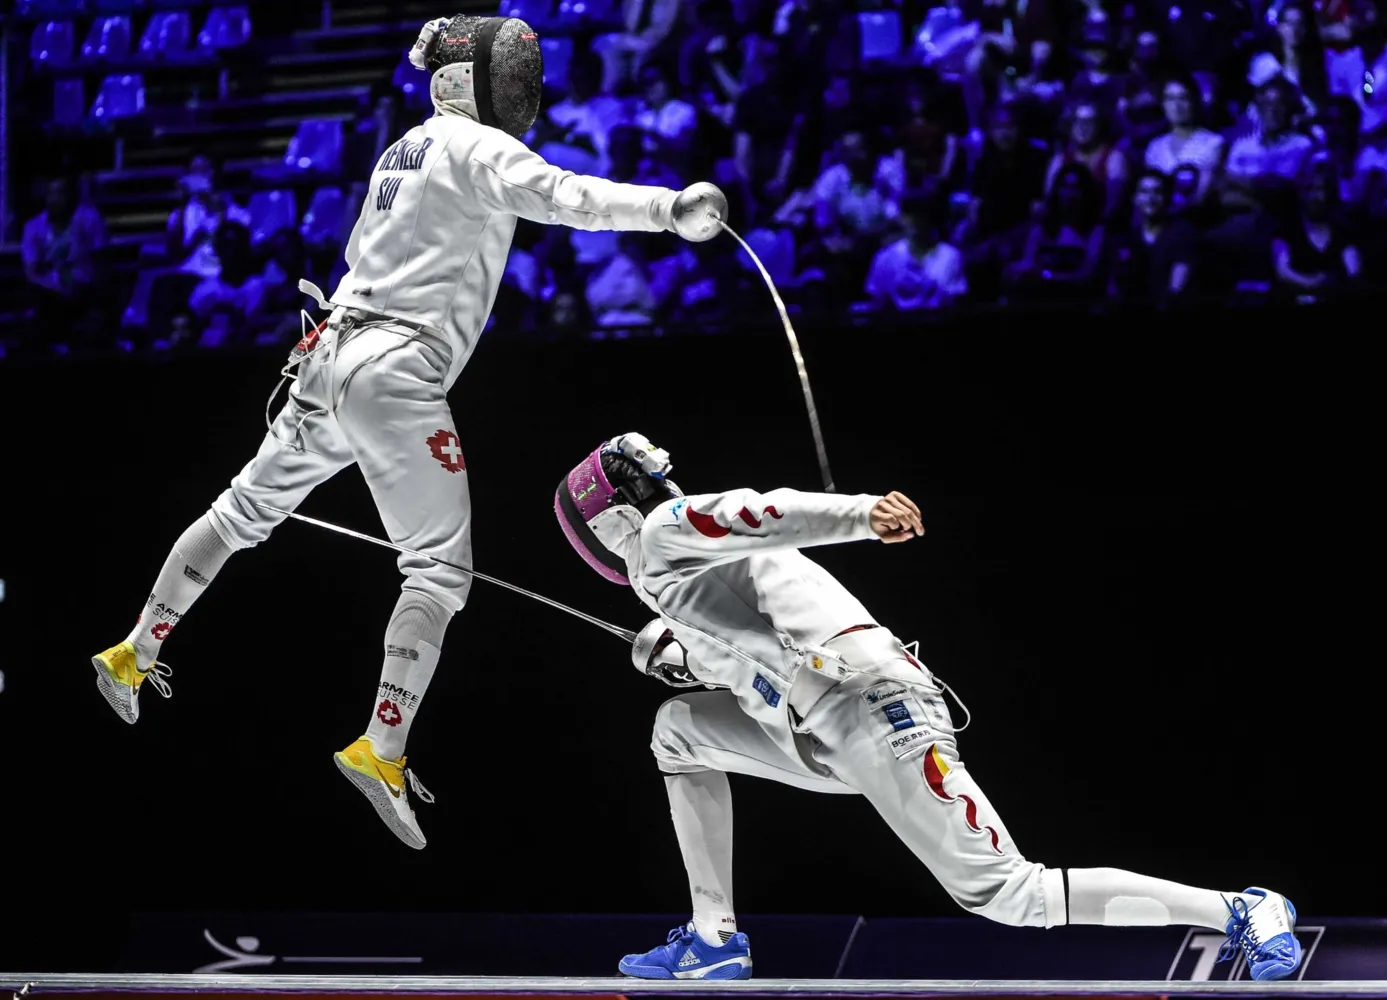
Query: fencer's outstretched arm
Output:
(509,177)
(695,533)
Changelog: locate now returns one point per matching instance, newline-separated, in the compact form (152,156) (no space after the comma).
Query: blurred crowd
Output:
(1101,152)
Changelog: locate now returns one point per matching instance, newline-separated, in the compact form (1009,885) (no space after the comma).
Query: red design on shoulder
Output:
(706,524)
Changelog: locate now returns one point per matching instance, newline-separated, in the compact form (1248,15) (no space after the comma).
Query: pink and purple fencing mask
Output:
(586,500)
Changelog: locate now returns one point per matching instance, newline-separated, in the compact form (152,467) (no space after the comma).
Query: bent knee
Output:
(238,522)
(449,591)
(1019,894)
(668,739)
(448,585)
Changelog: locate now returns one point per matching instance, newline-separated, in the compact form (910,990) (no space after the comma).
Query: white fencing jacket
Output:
(431,243)
(723,572)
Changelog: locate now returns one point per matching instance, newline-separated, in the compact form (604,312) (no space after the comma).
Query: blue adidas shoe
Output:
(687,956)
(1265,931)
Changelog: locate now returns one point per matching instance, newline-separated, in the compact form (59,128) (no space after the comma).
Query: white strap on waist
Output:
(867,647)
(824,667)
(315,293)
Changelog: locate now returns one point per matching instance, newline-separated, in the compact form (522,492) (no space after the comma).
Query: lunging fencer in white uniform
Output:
(811,691)
(426,258)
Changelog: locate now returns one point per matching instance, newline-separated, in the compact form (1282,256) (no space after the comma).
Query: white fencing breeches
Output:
(887,735)
(373,396)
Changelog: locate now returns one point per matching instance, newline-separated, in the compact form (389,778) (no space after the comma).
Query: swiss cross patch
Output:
(445,448)
(389,713)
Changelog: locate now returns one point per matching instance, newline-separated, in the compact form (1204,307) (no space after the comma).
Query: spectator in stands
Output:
(1336,21)
(1337,128)
(1091,142)
(918,271)
(819,121)
(669,124)
(766,111)
(852,211)
(619,293)
(1151,262)
(60,243)
(59,251)
(1006,186)
(1143,67)
(1142,121)
(1361,72)
(806,29)
(1274,149)
(1187,141)
(850,198)
(1064,249)
(235,296)
(1040,84)
(928,140)
(648,26)
(1296,56)
(193,224)
(1316,254)
(843,169)
(573,134)
(713,57)
(1096,81)
(988,47)
(1256,185)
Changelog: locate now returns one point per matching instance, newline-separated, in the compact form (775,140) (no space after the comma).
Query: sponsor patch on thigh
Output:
(899,712)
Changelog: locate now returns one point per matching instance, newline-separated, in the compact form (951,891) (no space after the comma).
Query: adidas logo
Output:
(689,959)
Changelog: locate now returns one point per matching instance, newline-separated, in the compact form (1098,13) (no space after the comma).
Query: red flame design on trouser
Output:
(935,771)
(927,798)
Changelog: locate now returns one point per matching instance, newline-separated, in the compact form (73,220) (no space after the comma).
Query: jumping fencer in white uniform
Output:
(426,258)
(811,691)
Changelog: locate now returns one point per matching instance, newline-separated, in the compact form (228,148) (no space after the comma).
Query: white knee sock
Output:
(413,640)
(1117,898)
(701,806)
(196,557)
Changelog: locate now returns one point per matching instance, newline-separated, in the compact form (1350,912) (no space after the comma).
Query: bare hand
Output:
(895,518)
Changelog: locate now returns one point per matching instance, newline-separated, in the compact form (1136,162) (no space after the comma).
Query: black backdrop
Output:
(1139,575)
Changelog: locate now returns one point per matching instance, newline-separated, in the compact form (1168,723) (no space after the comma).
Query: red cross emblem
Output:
(161,631)
(445,448)
(389,713)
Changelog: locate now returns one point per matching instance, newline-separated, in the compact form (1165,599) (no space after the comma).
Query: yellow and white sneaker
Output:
(384,783)
(118,678)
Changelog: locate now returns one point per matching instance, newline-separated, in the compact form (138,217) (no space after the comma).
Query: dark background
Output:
(1147,573)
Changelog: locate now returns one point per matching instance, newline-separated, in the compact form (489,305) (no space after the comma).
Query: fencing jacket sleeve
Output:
(694,534)
(508,177)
